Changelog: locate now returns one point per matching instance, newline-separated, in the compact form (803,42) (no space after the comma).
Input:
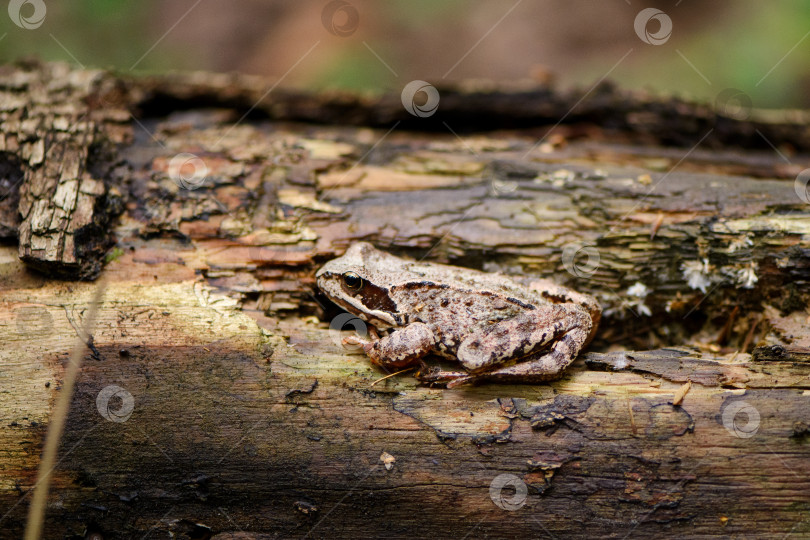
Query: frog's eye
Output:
(352,281)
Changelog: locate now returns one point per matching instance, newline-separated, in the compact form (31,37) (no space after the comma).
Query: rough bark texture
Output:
(55,127)
(688,417)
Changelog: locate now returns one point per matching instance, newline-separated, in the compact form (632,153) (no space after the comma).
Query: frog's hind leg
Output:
(541,369)
(558,294)
(566,327)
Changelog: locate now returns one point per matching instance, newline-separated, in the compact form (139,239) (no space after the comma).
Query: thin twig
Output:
(392,374)
(750,336)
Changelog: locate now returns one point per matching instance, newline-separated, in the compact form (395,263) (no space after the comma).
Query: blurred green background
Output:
(759,48)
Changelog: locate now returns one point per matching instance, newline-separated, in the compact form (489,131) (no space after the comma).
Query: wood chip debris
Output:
(388,460)
(681,393)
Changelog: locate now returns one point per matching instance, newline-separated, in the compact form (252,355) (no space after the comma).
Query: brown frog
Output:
(494,326)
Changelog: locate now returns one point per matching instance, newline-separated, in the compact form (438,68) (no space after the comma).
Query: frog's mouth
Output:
(380,319)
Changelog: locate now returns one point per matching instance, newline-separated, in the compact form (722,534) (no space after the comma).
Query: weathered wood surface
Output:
(249,420)
(58,124)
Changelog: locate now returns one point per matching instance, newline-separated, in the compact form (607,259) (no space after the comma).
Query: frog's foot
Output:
(465,378)
(436,375)
(357,341)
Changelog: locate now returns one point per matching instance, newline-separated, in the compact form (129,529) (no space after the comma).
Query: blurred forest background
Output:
(758,48)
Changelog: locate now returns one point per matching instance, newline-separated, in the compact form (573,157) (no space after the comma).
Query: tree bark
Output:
(688,416)
(55,132)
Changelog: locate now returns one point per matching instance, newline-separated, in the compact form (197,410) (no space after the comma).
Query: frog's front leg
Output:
(566,326)
(400,348)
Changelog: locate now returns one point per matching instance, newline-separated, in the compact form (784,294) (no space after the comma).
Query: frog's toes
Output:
(357,341)
(460,381)
(436,375)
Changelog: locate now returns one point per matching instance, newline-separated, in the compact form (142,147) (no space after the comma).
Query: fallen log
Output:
(216,401)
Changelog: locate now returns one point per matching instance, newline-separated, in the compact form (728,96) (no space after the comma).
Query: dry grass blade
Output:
(36,512)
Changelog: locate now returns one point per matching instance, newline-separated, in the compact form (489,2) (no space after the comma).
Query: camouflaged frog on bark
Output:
(495,327)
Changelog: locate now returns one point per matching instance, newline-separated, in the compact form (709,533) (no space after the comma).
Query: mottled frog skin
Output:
(494,326)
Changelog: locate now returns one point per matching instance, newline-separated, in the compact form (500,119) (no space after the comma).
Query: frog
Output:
(495,327)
